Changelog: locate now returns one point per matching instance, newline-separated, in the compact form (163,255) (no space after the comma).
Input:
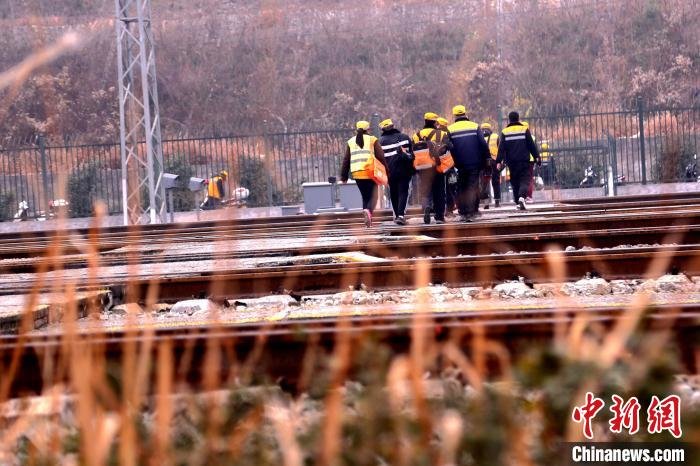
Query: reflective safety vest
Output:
(545,156)
(360,157)
(492,141)
(213,187)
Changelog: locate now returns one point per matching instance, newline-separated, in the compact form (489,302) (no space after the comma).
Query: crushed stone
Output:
(517,290)
(587,287)
(193,307)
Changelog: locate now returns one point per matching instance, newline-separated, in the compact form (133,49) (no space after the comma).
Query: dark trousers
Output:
(369,192)
(432,187)
(468,188)
(491,178)
(520,177)
(398,190)
(211,203)
(496,181)
(451,190)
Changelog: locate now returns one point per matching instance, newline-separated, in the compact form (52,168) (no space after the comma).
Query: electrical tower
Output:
(143,195)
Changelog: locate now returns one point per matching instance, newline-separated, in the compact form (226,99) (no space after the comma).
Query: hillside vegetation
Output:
(230,67)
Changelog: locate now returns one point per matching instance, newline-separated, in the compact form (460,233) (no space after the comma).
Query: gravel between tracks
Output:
(514,295)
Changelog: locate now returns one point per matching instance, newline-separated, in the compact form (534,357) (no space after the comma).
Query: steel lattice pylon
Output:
(143,195)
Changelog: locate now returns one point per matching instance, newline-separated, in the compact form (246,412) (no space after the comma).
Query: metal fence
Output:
(272,166)
(644,145)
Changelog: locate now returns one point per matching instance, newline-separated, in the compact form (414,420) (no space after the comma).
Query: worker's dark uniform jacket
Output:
(515,148)
(469,149)
(398,153)
(471,155)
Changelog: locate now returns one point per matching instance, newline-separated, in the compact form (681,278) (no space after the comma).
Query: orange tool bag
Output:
(423,159)
(377,171)
(446,160)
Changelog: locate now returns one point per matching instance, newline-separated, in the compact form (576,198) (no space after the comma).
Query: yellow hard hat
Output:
(430,116)
(545,146)
(486,126)
(459,110)
(442,121)
(386,123)
(362,124)
(223,173)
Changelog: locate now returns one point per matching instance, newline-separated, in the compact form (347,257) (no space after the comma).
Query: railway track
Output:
(396,247)
(491,249)
(597,203)
(517,224)
(396,273)
(72,241)
(280,349)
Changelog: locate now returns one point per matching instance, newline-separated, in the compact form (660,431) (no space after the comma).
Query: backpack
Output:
(426,151)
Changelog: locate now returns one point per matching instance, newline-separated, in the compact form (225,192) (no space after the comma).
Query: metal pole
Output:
(612,151)
(170,206)
(642,149)
(139,120)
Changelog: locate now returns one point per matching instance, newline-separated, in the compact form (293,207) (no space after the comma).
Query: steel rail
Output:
(596,204)
(397,273)
(397,247)
(281,346)
(510,225)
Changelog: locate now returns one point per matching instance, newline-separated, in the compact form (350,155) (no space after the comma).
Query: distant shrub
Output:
(82,189)
(670,162)
(7,206)
(255,176)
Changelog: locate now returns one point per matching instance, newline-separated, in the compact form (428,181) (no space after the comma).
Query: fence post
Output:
(374,124)
(642,149)
(269,165)
(41,140)
(612,152)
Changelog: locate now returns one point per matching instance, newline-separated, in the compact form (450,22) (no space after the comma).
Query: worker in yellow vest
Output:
(216,191)
(547,169)
(358,153)
(492,176)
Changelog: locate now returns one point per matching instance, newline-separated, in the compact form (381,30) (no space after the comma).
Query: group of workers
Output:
(457,165)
